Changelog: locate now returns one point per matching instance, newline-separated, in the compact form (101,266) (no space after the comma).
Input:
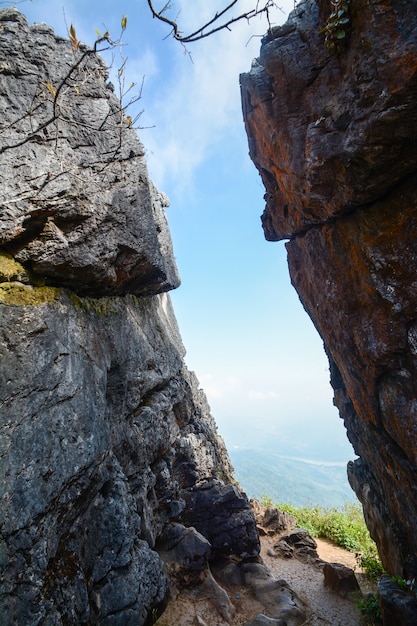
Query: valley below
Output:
(290,480)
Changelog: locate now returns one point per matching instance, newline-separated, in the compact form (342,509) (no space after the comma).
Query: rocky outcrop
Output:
(398,605)
(106,439)
(78,207)
(333,137)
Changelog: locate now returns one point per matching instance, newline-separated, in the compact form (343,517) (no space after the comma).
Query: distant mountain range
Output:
(288,480)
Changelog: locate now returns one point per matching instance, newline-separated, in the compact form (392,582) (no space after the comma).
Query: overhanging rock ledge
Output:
(334,139)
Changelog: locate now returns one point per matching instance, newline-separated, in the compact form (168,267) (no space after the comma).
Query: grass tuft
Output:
(345,527)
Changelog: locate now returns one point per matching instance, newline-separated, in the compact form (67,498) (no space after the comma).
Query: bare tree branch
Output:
(53,107)
(218,22)
(102,44)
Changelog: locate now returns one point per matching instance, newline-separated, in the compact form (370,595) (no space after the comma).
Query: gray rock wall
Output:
(77,205)
(105,437)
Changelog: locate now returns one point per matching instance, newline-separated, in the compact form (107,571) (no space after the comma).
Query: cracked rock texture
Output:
(334,139)
(105,437)
(78,207)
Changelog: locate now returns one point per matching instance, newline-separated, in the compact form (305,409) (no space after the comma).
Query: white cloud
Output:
(195,105)
(204,96)
(211,387)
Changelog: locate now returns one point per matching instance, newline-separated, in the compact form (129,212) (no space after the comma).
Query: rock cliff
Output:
(108,448)
(333,135)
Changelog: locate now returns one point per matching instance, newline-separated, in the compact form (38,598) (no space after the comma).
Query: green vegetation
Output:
(295,481)
(16,294)
(369,607)
(409,586)
(100,306)
(337,25)
(345,527)
(10,269)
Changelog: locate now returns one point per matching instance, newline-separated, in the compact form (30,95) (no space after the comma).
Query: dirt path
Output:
(323,607)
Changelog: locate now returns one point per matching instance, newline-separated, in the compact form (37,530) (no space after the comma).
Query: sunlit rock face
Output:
(334,139)
(105,436)
(78,206)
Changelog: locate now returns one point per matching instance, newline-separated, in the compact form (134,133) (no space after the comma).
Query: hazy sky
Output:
(248,339)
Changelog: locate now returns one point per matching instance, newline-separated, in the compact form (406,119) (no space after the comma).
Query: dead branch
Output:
(218,22)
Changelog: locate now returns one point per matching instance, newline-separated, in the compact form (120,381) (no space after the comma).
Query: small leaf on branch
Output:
(73,38)
(124,21)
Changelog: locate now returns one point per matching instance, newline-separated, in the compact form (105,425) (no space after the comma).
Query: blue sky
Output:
(252,346)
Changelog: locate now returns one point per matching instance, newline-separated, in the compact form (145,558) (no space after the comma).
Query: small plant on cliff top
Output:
(336,28)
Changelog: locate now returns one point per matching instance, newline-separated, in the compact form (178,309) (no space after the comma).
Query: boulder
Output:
(340,579)
(185,552)
(271,520)
(279,600)
(300,538)
(302,545)
(398,604)
(284,549)
(223,515)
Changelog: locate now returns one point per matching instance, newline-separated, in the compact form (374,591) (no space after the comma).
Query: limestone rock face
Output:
(78,207)
(105,436)
(334,140)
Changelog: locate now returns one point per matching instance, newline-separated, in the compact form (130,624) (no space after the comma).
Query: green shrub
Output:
(345,527)
(370,562)
(409,586)
(370,608)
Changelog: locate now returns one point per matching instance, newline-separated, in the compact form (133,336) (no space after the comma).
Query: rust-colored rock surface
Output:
(335,141)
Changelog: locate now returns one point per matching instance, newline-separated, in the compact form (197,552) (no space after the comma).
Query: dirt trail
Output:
(323,607)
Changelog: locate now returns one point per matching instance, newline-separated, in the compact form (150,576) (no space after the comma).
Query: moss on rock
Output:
(16,294)
(11,269)
(99,306)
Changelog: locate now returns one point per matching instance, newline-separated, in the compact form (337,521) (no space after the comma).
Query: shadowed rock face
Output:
(105,437)
(334,139)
